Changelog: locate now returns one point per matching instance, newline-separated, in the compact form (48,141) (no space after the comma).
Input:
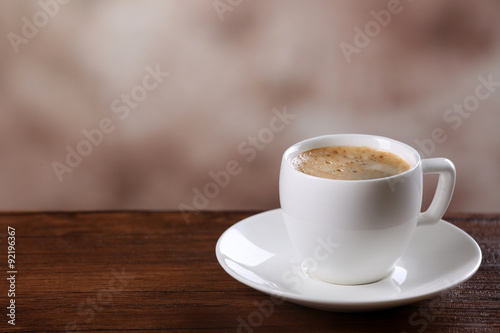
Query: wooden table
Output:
(151,271)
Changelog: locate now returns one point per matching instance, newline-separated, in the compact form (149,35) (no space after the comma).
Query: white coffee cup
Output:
(355,231)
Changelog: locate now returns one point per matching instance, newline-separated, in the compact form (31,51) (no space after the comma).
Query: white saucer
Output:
(257,252)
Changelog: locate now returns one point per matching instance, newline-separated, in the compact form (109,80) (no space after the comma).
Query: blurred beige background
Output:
(67,69)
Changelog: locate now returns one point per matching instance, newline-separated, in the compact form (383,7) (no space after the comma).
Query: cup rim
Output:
(295,150)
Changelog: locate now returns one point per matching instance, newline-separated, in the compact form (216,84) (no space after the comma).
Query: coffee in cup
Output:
(349,163)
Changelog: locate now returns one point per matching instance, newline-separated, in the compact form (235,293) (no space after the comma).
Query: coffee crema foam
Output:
(349,163)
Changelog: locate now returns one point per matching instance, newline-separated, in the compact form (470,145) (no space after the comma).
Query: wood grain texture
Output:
(153,272)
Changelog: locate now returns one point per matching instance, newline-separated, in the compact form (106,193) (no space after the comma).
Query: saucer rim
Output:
(354,305)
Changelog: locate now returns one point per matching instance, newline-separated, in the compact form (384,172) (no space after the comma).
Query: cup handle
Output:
(444,190)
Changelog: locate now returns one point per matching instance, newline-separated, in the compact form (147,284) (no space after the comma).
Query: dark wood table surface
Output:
(153,272)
